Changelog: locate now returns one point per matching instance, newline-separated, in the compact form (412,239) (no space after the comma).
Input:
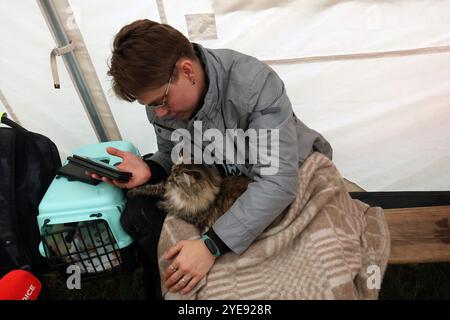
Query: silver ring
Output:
(174,269)
(183,280)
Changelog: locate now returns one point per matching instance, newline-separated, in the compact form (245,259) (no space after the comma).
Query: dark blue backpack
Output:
(28,162)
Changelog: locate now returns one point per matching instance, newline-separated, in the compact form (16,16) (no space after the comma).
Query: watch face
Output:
(211,246)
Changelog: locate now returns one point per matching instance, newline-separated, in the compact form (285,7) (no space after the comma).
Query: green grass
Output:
(409,282)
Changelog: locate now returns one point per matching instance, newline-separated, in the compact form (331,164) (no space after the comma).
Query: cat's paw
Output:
(132,193)
(161,205)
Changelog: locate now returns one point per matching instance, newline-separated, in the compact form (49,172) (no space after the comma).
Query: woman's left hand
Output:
(191,261)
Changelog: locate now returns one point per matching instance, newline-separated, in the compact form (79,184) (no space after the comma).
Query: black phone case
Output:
(74,172)
(100,169)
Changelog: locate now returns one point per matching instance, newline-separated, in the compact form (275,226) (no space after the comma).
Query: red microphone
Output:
(19,285)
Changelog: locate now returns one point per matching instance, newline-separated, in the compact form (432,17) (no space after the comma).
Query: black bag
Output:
(28,162)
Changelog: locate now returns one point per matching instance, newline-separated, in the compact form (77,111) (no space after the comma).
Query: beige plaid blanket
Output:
(325,245)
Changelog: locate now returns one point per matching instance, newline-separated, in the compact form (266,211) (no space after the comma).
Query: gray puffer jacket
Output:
(245,93)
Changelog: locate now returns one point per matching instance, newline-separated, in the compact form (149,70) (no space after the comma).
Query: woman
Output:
(182,83)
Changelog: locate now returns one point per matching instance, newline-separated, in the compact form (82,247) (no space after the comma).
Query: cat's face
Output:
(194,178)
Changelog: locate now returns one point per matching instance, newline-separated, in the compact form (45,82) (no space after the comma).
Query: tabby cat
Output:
(195,193)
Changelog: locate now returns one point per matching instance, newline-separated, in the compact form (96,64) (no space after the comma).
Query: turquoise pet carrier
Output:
(80,223)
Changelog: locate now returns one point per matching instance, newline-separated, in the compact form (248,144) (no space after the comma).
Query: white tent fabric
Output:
(387,118)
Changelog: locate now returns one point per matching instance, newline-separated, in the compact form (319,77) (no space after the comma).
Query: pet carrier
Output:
(79,222)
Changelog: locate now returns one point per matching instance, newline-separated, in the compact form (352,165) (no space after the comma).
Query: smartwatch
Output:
(211,245)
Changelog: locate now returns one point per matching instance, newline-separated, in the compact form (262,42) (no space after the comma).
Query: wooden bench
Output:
(418,235)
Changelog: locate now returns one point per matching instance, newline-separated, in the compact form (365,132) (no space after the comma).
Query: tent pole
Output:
(73,68)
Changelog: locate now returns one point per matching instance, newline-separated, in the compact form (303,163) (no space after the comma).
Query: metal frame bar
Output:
(73,68)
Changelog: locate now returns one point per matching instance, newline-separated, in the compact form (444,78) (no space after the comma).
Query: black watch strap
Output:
(223,248)
(211,245)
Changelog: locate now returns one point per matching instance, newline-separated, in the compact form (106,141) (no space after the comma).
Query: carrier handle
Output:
(4,119)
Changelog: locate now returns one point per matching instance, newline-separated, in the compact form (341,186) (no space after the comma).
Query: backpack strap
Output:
(5,120)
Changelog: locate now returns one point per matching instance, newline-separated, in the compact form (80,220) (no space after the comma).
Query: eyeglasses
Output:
(163,104)
(164,101)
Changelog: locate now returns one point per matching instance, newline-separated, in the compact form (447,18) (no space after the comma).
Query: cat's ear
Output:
(189,179)
(179,160)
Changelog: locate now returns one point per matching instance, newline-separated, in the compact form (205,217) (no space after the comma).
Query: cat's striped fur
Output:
(196,193)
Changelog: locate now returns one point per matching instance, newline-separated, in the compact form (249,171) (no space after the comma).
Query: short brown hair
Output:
(144,55)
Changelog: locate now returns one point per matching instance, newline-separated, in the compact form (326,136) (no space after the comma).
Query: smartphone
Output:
(101,169)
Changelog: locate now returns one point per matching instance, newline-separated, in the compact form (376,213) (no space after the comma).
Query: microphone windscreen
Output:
(19,285)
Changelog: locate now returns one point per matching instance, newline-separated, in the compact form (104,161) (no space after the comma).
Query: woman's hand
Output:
(131,163)
(191,261)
